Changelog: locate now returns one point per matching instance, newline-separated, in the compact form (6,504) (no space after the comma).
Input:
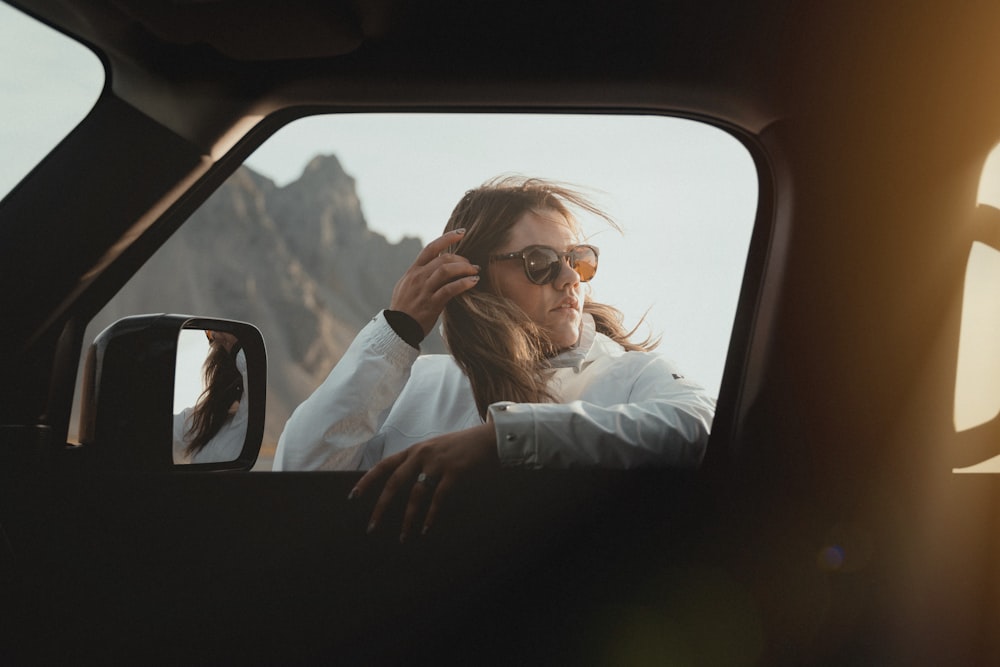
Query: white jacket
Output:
(617,409)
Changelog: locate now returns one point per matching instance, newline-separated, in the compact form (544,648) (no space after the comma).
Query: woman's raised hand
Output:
(433,280)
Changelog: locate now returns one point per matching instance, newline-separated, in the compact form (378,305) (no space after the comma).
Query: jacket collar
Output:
(576,356)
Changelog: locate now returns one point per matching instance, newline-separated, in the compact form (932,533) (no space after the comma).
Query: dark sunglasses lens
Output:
(585,262)
(541,265)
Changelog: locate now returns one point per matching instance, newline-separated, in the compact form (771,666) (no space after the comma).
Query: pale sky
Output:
(684,192)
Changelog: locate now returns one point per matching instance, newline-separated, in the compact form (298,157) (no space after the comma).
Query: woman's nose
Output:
(567,275)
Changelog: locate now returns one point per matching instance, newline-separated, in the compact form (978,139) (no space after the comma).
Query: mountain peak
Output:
(326,167)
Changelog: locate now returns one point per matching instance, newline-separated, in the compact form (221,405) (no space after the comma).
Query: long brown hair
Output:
(501,350)
(223,387)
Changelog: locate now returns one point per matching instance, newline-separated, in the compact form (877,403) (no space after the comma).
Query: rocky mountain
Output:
(297,261)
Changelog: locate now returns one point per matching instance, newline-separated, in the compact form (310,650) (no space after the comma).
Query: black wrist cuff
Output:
(405,327)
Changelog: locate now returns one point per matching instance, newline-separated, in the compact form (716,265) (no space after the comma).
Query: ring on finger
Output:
(426,480)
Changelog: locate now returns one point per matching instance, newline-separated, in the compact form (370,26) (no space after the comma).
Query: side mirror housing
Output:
(129,416)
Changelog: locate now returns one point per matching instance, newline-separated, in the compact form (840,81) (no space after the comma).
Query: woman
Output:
(215,428)
(539,375)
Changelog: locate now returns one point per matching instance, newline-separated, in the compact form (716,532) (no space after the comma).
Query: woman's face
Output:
(558,306)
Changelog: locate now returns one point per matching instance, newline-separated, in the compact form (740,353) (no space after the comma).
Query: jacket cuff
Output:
(384,341)
(515,430)
(405,327)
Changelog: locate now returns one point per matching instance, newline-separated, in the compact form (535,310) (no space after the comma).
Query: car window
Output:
(977,376)
(307,239)
(49,83)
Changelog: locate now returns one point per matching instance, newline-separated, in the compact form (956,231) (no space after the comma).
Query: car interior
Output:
(845,510)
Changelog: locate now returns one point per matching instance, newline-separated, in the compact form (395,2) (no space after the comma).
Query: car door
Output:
(105,563)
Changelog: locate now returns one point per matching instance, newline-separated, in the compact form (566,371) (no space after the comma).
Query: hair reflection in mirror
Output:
(214,429)
(502,351)
(223,392)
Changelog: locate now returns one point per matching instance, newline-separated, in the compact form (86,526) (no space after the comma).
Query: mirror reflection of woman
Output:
(214,429)
(538,376)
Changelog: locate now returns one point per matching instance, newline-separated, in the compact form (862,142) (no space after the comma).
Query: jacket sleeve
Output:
(181,426)
(329,429)
(664,421)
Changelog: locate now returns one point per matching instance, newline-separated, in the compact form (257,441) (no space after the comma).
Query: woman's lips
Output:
(568,304)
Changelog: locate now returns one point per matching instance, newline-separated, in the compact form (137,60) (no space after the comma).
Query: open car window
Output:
(49,82)
(308,238)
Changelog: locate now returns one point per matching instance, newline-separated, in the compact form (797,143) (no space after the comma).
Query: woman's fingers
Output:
(435,278)
(403,472)
(457,279)
(427,473)
(406,473)
(437,501)
(424,489)
(378,471)
(448,269)
(386,468)
(439,245)
(397,480)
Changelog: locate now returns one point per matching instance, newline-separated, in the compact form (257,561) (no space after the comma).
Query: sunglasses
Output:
(543,264)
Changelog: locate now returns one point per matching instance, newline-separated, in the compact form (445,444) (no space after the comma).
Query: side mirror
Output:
(174,392)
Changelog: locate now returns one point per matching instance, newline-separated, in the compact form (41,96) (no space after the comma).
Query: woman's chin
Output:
(565,336)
